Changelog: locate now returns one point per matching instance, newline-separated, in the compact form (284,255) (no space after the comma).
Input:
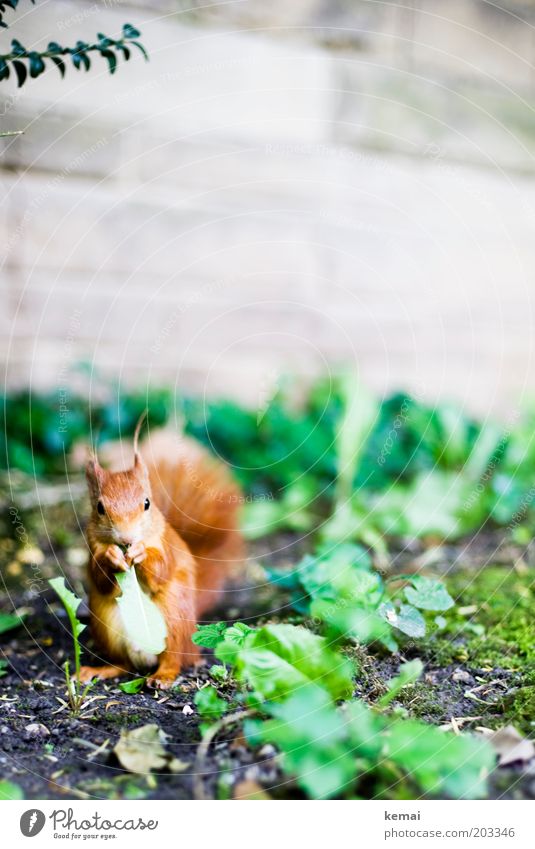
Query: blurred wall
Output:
(284,187)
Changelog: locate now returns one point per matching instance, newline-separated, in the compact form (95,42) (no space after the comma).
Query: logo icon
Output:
(32,822)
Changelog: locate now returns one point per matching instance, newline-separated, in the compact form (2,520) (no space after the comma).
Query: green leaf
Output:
(407,619)
(408,673)
(71,603)
(10,791)
(3,667)
(133,686)
(428,594)
(277,660)
(441,763)
(359,414)
(219,672)
(9,621)
(209,704)
(311,734)
(142,618)
(209,635)
(237,633)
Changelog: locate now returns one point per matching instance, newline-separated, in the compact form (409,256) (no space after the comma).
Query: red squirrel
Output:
(174,517)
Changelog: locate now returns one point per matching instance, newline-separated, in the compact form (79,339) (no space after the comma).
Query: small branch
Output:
(204,745)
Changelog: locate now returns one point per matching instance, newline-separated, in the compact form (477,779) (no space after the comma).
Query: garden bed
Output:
(479,672)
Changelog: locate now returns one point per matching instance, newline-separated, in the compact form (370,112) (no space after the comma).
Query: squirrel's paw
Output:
(116,557)
(161,680)
(136,553)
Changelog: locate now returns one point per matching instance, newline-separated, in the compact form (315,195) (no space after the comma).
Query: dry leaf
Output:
(142,749)
(249,789)
(176,765)
(510,746)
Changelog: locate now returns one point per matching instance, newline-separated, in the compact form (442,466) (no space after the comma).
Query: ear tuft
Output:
(94,473)
(140,421)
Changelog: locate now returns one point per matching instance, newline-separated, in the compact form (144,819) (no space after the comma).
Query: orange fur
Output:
(185,546)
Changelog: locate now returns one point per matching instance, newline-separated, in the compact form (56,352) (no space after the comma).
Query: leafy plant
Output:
(330,749)
(75,692)
(9,791)
(210,706)
(339,587)
(9,621)
(277,659)
(135,685)
(27,64)
(3,667)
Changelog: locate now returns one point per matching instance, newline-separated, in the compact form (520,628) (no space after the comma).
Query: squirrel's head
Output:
(121,501)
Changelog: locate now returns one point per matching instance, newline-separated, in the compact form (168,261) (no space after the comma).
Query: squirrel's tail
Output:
(201,501)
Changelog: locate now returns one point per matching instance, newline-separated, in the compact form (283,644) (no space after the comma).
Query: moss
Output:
(503,603)
(491,628)
(519,709)
(421,700)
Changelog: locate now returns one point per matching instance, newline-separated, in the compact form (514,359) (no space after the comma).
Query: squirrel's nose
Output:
(124,539)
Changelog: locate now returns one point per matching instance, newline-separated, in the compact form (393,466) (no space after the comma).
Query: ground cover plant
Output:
(383,647)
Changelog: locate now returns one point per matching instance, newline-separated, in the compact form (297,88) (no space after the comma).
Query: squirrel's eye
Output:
(146,504)
(100,508)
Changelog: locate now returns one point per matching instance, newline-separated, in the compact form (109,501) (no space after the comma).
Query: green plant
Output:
(27,64)
(76,693)
(135,685)
(9,621)
(339,587)
(210,705)
(294,680)
(9,791)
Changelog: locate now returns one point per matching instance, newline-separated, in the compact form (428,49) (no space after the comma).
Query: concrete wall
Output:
(284,187)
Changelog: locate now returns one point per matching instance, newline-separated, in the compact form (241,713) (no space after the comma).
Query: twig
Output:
(204,745)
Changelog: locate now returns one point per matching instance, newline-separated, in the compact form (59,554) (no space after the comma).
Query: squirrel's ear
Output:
(139,465)
(94,473)
(140,421)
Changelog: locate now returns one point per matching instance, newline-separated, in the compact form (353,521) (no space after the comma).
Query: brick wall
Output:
(276,191)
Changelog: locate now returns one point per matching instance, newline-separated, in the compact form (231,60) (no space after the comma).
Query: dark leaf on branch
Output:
(110,58)
(37,66)
(130,32)
(21,72)
(59,63)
